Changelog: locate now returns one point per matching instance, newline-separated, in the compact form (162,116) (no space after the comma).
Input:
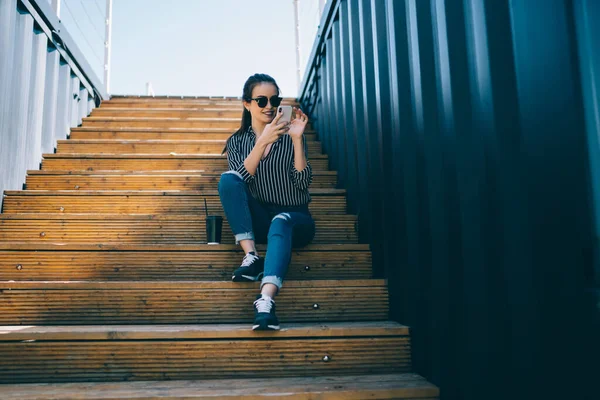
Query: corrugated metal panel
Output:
(476,129)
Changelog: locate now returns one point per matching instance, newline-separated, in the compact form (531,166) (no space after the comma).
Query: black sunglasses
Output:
(262,101)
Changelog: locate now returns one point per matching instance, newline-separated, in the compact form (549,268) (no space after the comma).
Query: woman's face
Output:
(266,114)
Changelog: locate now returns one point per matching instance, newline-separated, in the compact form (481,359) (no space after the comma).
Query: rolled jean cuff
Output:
(244,236)
(275,280)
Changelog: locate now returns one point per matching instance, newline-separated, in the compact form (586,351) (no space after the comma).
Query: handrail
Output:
(46,83)
(324,27)
(51,25)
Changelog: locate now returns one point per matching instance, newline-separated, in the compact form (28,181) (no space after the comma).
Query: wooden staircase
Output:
(108,290)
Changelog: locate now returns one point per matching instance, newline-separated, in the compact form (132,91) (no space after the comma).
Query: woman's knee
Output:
(228,180)
(281,225)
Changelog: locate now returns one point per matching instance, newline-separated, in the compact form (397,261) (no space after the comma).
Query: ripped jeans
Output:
(281,227)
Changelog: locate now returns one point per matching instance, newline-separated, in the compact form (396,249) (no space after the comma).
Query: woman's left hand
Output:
(297,125)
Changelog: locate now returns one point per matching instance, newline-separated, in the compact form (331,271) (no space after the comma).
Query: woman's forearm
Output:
(299,156)
(251,162)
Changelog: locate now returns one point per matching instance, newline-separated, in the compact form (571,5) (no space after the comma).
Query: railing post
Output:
(64,103)
(56,7)
(8,10)
(107,45)
(50,98)
(74,111)
(297,33)
(19,96)
(35,112)
(83,104)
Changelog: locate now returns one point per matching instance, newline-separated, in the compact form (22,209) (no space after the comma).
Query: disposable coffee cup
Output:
(214,225)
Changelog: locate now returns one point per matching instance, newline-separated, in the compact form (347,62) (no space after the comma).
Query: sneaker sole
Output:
(246,278)
(267,328)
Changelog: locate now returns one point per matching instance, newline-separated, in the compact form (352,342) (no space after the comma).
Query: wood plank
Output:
(176,172)
(106,229)
(185,302)
(175,99)
(49,246)
(137,162)
(140,181)
(142,146)
(157,204)
(378,285)
(352,387)
(206,331)
(198,359)
(101,122)
(158,135)
(154,264)
(177,193)
(201,111)
(195,122)
(129,218)
(133,130)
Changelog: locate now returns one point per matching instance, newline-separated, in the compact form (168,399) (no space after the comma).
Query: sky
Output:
(193,47)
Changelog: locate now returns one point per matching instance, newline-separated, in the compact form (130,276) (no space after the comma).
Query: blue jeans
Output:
(280,227)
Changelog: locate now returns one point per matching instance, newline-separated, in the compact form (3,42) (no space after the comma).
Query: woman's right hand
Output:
(274,130)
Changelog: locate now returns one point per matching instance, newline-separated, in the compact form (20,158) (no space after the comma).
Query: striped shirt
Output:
(276,180)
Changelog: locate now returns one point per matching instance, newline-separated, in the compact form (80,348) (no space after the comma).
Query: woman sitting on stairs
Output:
(265,192)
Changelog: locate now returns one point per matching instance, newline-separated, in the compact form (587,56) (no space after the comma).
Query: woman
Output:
(265,192)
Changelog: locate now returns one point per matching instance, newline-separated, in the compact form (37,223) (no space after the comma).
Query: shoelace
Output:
(263,305)
(248,260)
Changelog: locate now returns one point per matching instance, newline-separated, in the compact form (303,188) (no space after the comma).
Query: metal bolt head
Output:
(61,209)
(307,267)
(76,186)
(19,267)
(326,359)
(42,234)
(316,306)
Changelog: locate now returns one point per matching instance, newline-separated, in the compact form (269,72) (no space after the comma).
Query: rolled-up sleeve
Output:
(235,160)
(302,179)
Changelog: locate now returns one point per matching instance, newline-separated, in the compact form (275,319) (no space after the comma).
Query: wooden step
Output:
(324,201)
(196,122)
(178,102)
(185,302)
(153,162)
(208,134)
(109,353)
(175,99)
(109,146)
(144,112)
(143,229)
(347,387)
(105,122)
(178,262)
(49,180)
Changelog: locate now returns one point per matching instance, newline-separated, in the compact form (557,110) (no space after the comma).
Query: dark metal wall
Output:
(466,133)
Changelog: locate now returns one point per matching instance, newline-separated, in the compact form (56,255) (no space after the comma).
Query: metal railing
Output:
(466,135)
(46,86)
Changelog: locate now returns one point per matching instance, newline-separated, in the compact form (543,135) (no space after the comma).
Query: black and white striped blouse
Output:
(276,180)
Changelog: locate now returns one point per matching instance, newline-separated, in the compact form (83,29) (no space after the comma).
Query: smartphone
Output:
(286,112)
